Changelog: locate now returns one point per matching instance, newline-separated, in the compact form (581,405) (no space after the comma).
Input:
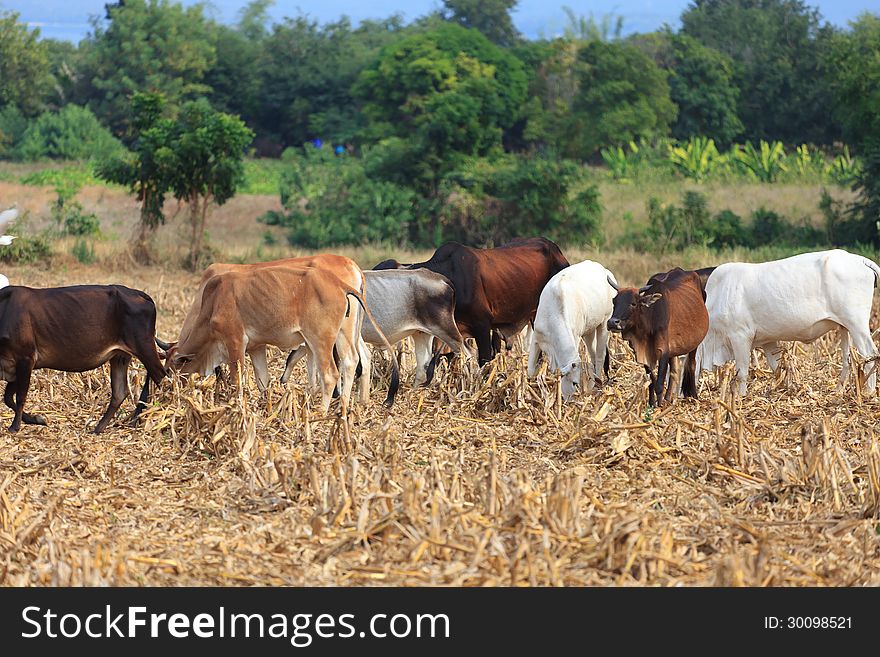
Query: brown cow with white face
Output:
(243,311)
(665,319)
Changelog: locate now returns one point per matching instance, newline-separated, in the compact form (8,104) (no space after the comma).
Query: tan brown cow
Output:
(665,319)
(343,268)
(243,311)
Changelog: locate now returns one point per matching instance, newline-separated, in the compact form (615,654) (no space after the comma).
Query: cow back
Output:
(73,328)
(500,286)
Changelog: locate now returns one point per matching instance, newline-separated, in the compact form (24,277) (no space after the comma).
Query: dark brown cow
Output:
(75,329)
(494,288)
(664,319)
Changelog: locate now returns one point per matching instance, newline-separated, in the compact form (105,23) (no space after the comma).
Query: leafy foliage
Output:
(491,17)
(449,92)
(24,66)
(329,201)
(72,133)
(777,48)
(622,96)
(152,46)
(697,159)
(764,163)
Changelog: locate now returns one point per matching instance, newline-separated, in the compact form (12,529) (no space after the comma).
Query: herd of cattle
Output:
(326,309)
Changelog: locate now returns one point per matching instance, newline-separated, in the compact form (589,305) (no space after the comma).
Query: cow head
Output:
(628,305)
(571,379)
(174,360)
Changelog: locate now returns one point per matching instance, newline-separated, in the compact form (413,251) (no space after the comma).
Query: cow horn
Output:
(644,289)
(613,284)
(164,345)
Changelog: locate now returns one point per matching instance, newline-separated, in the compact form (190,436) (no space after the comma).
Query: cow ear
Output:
(651,299)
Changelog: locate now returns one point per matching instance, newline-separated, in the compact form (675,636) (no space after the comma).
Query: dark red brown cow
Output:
(494,288)
(665,319)
(75,329)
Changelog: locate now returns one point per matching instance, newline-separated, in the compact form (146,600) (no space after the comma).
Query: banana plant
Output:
(620,164)
(698,158)
(807,161)
(764,163)
(844,168)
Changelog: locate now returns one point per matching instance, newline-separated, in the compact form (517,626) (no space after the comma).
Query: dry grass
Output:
(479,480)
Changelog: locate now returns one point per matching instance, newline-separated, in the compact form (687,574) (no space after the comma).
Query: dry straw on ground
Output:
(482,479)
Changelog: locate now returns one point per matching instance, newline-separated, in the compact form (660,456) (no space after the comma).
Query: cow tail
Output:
(870,264)
(607,364)
(395,368)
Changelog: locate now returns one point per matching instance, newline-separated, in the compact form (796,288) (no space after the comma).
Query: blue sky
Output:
(69,19)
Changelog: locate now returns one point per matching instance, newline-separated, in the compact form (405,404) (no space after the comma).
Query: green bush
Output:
(12,127)
(329,200)
(72,133)
(493,202)
(26,249)
(727,230)
(84,252)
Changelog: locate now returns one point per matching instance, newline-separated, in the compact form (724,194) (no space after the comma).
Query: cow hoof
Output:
(13,428)
(35,419)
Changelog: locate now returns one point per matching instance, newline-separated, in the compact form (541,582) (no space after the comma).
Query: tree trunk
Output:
(142,240)
(198,210)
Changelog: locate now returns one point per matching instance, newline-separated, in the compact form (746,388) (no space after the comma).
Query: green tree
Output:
(776,46)
(203,161)
(854,66)
(142,171)
(440,95)
(235,79)
(24,66)
(700,84)
(491,17)
(307,73)
(622,96)
(147,46)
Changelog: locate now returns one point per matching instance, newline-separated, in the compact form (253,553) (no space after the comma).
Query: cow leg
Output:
(651,386)
(365,370)
(485,346)
(261,367)
(141,402)
(292,359)
(663,370)
(689,376)
(118,388)
(592,370)
(422,343)
(27,418)
(845,357)
(496,342)
(671,385)
(865,346)
(601,361)
(742,355)
(325,367)
(534,355)
(347,353)
(23,369)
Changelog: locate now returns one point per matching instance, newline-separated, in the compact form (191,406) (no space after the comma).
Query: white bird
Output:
(6,218)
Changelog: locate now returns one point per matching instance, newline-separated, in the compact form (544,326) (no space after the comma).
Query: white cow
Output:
(6,218)
(576,303)
(754,306)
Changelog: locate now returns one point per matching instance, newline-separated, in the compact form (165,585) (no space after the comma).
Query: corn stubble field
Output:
(478,480)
